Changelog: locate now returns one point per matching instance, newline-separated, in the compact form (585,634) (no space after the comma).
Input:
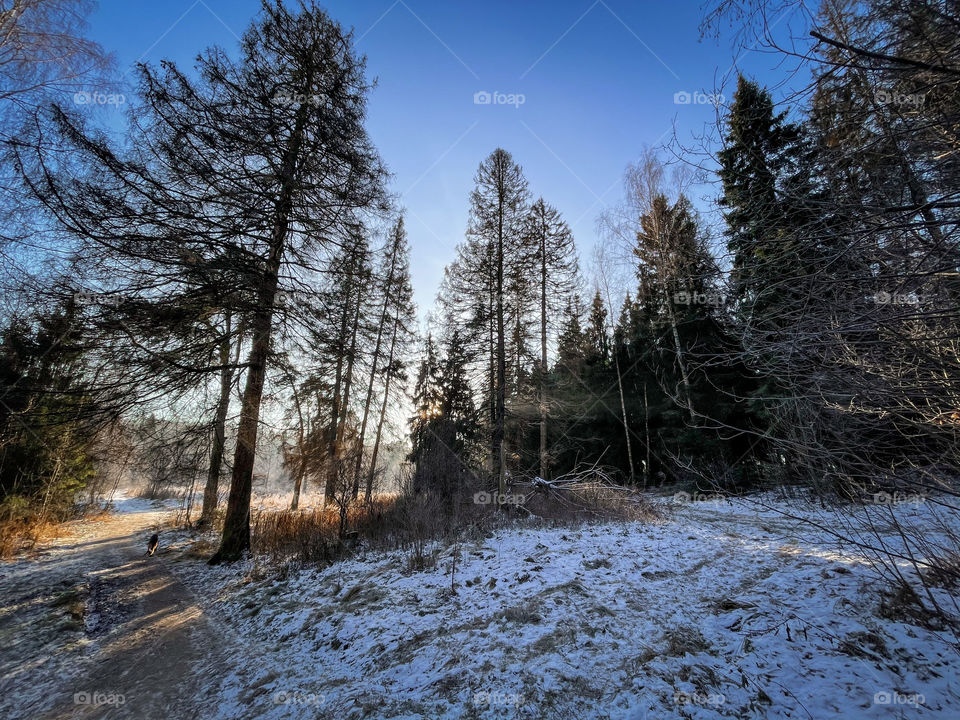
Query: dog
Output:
(152,544)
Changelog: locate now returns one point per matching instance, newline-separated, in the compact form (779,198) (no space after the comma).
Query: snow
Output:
(723,609)
(44,644)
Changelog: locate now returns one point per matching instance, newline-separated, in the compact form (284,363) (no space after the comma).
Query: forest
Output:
(237,272)
(215,302)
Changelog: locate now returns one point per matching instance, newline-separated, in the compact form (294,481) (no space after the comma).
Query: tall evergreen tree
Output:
(395,331)
(444,428)
(497,210)
(760,154)
(317,167)
(550,243)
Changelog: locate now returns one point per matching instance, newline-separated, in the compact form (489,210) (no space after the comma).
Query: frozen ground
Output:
(90,627)
(723,609)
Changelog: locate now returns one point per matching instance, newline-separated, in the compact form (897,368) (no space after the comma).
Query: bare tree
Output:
(43,52)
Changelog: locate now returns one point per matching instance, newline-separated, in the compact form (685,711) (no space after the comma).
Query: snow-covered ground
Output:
(63,600)
(723,609)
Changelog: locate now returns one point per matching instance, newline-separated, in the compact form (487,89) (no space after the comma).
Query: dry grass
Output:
(524,614)
(943,571)
(411,523)
(592,504)
(23,533)
(902,601)
(314,535)
(25,523)
(684,640)
(417,524)
(161,492)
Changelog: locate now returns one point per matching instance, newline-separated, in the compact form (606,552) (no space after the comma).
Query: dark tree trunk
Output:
(328,490)
(235,539)
(543,354)
(236,526)
(383,408)
(498,429)
(212,487)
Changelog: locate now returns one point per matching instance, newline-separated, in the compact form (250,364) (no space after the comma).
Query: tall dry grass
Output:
(416,523)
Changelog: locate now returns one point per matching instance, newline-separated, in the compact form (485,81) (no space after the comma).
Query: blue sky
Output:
(598,79)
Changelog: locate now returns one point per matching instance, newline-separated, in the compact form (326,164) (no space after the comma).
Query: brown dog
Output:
(152,544)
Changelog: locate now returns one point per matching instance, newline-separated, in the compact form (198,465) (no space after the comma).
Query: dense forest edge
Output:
(227,287)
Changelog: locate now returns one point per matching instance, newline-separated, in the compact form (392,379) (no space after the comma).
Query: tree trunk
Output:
(301,455)
(297,485)
(211,489)
(543,354)
(646,429)
(499,427)
(383,408)
(492,375)
(623,411)
(683,365)
(236,526)
(333,476)
(335,403)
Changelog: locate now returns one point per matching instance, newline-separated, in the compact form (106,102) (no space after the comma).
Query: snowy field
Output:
(722,609)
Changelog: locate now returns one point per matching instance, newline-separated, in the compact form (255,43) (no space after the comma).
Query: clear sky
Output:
(598,80)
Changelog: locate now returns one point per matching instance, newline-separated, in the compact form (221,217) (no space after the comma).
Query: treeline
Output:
(229,272)
(813,341)
(232,267)
(525,379)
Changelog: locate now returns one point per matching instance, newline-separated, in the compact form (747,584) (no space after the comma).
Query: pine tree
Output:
(251,171)
(759,157)
(323,167)
(597,337)
(398,324)
(443,430)
(550,243)
(497,210)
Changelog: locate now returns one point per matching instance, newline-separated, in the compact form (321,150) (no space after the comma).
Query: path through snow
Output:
(93,628)
(722,610)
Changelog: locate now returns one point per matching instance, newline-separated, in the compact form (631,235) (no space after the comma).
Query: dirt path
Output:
(90,627)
